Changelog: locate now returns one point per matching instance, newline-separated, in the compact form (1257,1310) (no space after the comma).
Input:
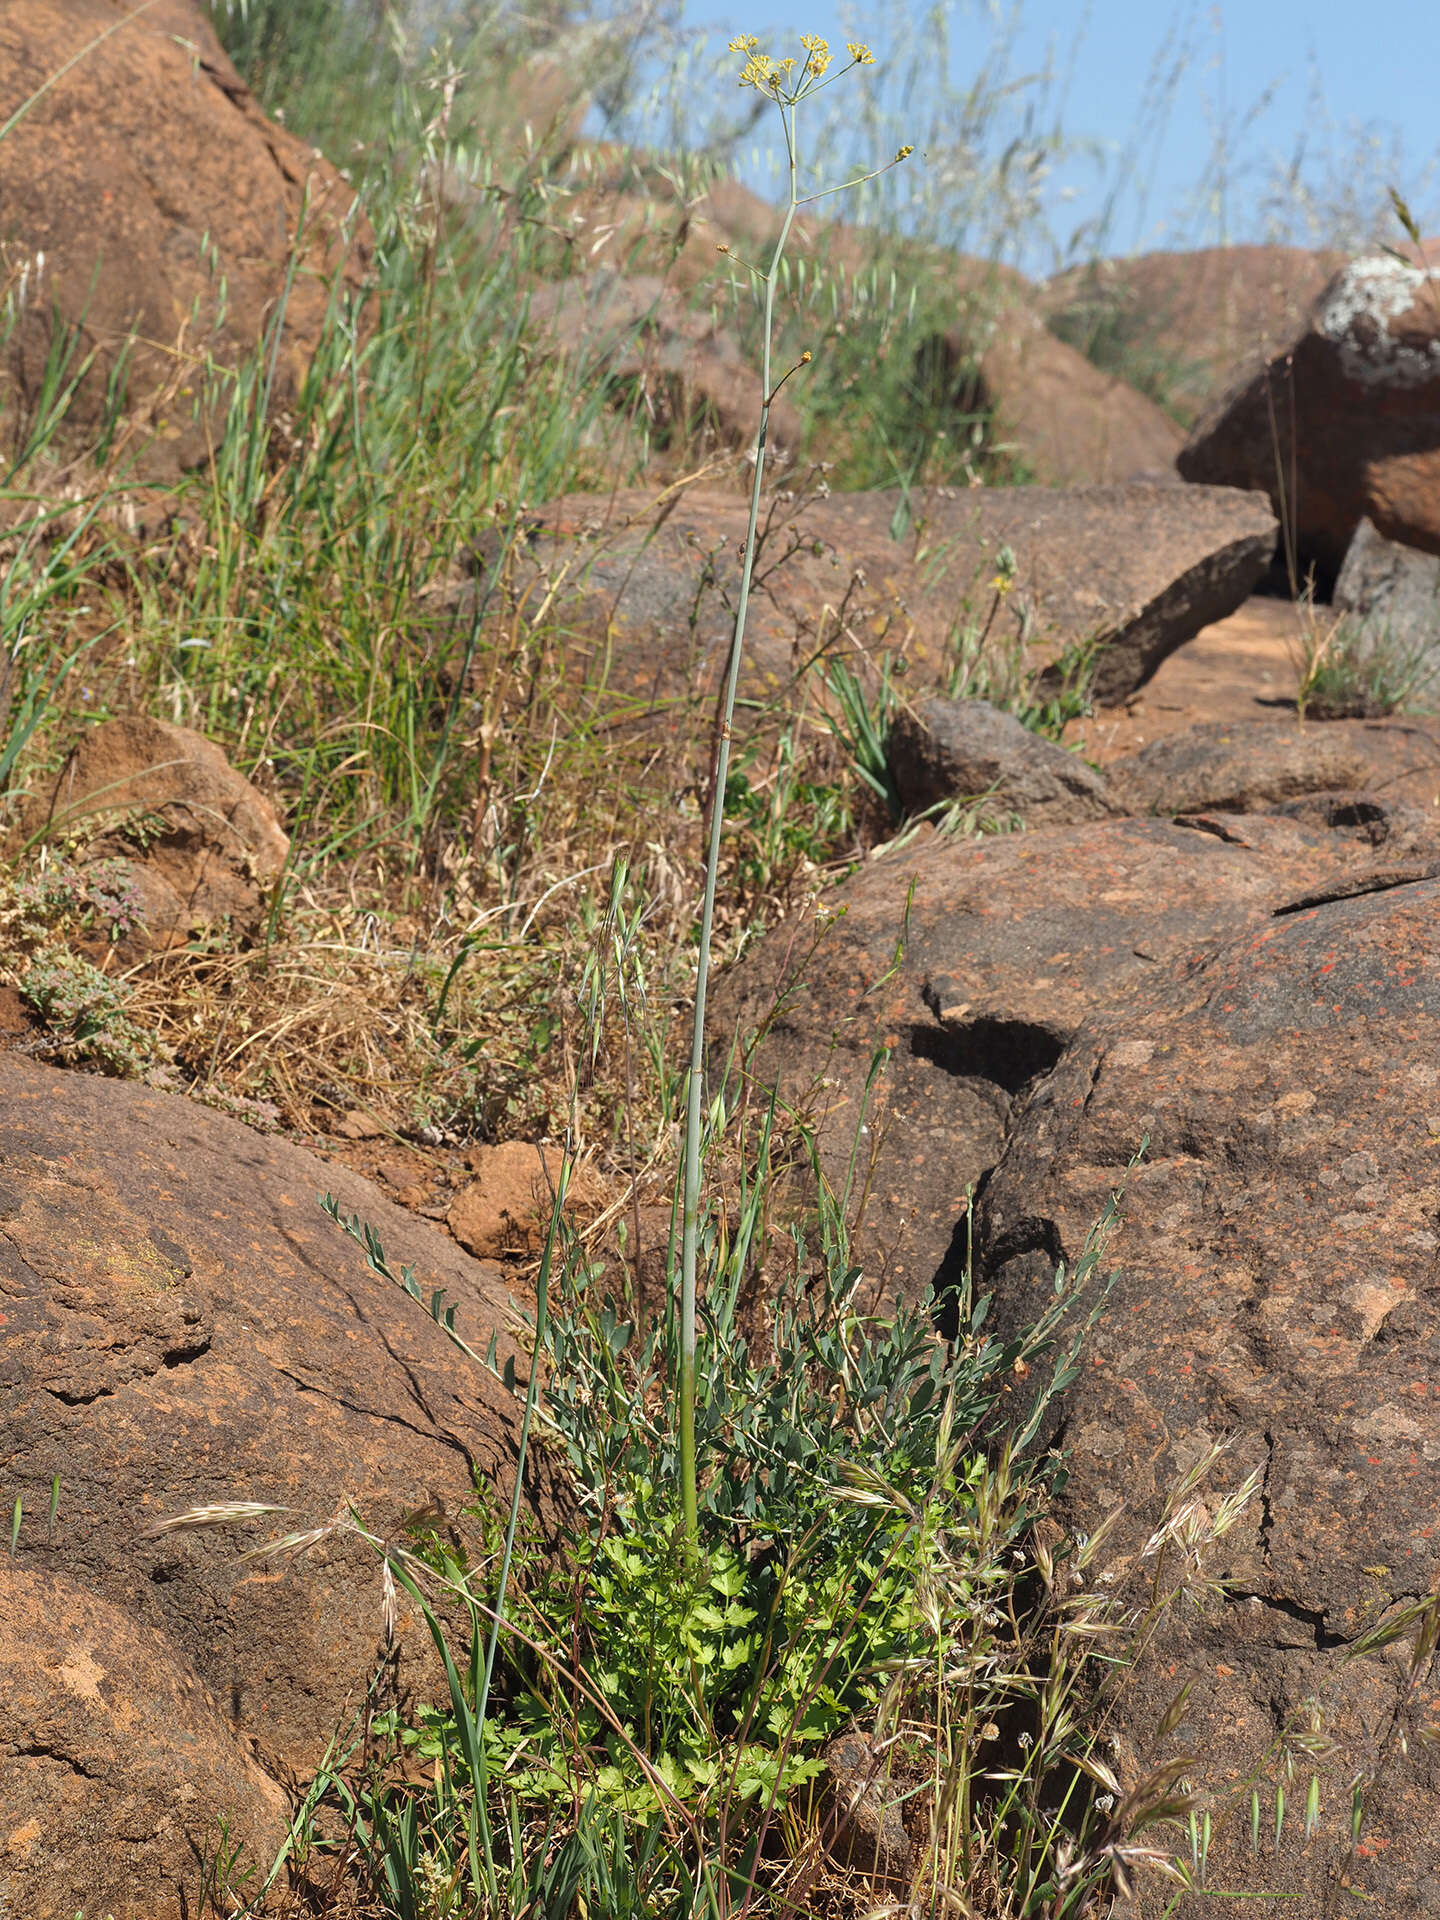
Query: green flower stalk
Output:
(780,81)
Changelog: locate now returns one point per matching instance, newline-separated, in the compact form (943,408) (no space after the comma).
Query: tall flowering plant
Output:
(787,82)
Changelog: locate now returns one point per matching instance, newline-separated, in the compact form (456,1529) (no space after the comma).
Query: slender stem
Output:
(694,1155)
(542,1312)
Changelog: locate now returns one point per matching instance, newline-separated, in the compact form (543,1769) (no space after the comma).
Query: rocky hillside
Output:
(372,544)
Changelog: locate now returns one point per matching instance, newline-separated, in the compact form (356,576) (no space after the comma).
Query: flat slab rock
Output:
(1133,570)
(1252,765)
(180,1325)
(1278,1282)
(1006,946)
(1241,669)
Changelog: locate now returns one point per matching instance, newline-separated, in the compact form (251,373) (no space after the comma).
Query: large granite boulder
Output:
(1060,419)
(181,1326)
(974,962)
(1278,1280)
(1105,580)
(1344,424)
(150,204)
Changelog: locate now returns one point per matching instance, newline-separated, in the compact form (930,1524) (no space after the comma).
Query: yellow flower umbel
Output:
(818,55)
(778,78)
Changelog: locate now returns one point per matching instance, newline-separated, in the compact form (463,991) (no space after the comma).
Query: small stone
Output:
(505,1208)
(863,1818)
(211,845)
(946,750)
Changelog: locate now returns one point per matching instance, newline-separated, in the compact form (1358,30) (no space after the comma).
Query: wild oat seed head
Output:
(389,1602)
(223,1513)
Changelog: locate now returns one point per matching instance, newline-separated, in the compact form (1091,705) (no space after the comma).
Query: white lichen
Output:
(1356,314)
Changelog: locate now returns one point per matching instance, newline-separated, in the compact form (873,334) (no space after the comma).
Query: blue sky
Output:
(1353,91)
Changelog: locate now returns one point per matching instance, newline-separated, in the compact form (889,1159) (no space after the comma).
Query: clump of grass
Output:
(1352,669)
(644,1727)
(990,659)
(58,927)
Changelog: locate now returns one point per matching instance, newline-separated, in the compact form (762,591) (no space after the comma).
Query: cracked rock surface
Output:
(1256,765)
(1278,1282)
(1006,946)
(180,1325)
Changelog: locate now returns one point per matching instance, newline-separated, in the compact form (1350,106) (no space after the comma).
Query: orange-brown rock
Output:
(147,199)
(975,961)
(117,1765)
(940,751)
(1344,424)
(181,1326)
(204,846)
(1275,1287)
(629,218)
(505,1209)
(1068,423)
(1259,764)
